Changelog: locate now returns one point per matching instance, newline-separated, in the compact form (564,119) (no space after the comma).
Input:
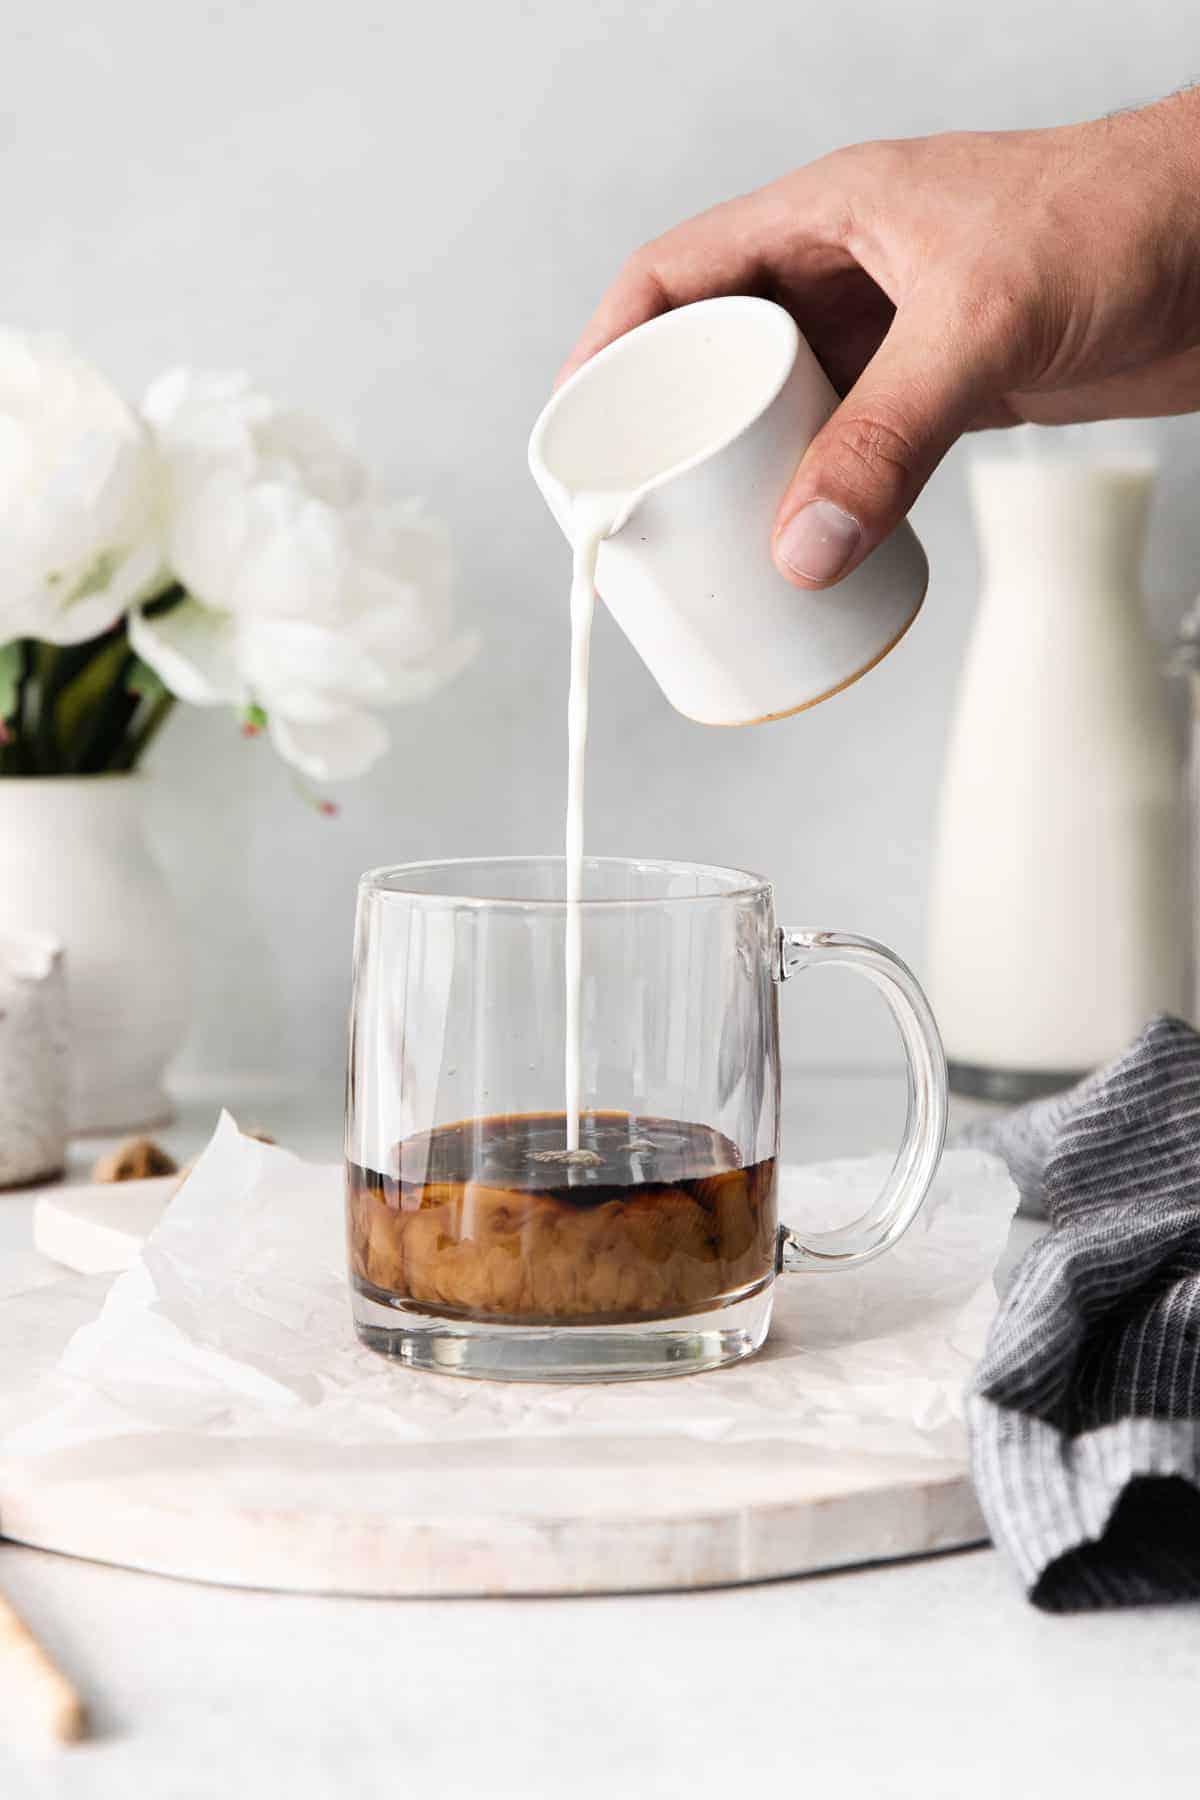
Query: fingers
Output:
(634,297)
(765,241)
(716,253)
(861,473)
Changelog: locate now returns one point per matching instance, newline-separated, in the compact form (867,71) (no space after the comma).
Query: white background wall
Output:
(399,216)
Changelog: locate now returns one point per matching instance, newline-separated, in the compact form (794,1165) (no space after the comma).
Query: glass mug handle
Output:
(925,1128)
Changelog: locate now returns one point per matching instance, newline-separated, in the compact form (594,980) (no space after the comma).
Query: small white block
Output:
(99,1229)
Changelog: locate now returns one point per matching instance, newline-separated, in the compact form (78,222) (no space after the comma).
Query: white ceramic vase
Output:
(74,864)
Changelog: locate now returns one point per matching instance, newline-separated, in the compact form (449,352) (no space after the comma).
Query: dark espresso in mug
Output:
(492,1219)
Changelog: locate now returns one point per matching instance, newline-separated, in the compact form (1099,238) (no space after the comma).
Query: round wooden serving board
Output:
(515,1519)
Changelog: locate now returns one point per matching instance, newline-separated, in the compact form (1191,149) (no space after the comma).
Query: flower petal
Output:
(340,749)
(79,498)
(292,662)
(206,417)
(207,531)
(94,609)
(193,651)
(296,448)
(408,683)
(294,563)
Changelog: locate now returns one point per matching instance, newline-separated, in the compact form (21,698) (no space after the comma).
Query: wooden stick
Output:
(33,1686)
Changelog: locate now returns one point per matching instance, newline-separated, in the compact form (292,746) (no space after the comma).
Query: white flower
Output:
(308,596)
(78,496)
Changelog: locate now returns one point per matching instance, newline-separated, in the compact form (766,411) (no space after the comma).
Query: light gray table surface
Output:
(926,1678)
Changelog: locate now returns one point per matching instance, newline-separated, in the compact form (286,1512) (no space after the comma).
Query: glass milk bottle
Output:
(1055,912)
(1186,661)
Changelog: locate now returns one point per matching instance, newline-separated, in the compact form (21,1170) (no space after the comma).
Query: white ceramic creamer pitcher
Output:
(691,426)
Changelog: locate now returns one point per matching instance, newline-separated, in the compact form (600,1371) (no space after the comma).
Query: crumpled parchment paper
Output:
(235,1325)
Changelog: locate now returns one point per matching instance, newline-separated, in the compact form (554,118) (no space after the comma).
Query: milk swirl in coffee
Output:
(488,1219)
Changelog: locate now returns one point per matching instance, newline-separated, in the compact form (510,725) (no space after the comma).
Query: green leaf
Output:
(107,722)
(144,682)
(12,663)
(79,704)
(145,728)
(171,596)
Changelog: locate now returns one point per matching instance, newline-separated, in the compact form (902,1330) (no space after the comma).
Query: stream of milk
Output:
(593,517)
(688,384)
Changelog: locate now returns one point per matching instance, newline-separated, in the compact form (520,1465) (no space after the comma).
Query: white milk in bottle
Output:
(1055,928)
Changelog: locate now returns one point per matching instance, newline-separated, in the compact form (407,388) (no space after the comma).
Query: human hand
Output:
(949,284)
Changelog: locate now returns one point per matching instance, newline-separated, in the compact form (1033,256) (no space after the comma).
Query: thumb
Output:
(868,463)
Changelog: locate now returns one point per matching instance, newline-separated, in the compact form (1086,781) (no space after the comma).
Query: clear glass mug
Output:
(477,1244)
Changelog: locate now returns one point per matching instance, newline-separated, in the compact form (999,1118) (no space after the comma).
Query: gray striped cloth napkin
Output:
(1085,1411)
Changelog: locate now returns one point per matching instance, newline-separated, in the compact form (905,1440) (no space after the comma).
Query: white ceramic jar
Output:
(33,1060)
